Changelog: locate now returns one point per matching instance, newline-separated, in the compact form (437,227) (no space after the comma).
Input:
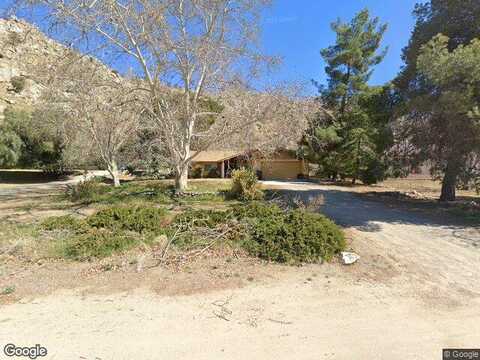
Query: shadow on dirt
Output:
(28,177)
(357,210)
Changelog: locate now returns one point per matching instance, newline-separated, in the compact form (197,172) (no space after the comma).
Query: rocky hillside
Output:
(27,54)
(22,48)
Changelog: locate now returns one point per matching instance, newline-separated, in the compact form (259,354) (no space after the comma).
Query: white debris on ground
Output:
(349,257)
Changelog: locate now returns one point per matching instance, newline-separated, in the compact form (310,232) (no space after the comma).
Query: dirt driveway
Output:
(415,291)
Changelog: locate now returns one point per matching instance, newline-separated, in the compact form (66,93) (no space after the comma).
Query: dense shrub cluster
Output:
(27,139)
(66,222)
(95,191)
(264,230)
(244,185)
(272,233)
(133,218)
(18,83)
(292,236)
(202,218)
(108,231)
(98,243)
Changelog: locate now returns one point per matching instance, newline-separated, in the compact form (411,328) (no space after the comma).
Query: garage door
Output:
(281,170)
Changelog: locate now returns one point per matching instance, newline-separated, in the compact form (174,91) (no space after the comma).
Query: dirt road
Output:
(415,291)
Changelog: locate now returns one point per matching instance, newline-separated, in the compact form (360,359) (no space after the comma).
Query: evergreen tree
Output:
(345,144)
(26,140)
(430,120)
(351,59)
(446,121)
(457,19)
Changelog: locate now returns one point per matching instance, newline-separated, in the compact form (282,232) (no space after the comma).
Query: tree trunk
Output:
(343,105)
(113,171)
(449,183)
(181,179)
(357,164)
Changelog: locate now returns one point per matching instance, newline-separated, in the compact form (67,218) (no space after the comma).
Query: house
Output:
(216,163)
(282,165)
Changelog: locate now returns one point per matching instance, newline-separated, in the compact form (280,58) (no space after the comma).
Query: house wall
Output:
(281,169)
(282,165)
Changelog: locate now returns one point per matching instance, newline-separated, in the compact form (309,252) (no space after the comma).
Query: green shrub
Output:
(374,172)
(244,185)
(195,228)
(32,142)
(257,210)
(132,218)
(7,290)
(98,243)
(11,147)
(267,232)
(108,231)
(202,218)
(66,222)
(291,237)
(18,83)
(15,39)
(86,191)
(196,173)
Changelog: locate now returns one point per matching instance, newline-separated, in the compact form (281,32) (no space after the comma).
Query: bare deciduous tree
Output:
(101,107)
(273,119)
(192,46)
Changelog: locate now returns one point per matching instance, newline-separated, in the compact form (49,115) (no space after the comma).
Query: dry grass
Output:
(426,187)
(420,187)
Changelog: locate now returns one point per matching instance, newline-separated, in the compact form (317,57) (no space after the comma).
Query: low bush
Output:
(268,232)
(257,210)
(18,83)
(98,243)
(244,185)
(202,218)
(295,236)
(195,173)
(132,218)
(7,290)
(86,191)
(66,222)
(264,230)
(107,231)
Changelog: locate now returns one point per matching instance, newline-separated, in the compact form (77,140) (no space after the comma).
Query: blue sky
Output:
(296,30)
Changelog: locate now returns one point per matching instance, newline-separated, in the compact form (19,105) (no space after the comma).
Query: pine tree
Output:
(446,120)
(347,145)
(430,121)
(351,59)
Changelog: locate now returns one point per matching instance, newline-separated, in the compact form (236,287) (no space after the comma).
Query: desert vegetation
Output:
(152,217)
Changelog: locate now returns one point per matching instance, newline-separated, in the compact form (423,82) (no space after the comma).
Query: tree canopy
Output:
(345,143)
(444,123)
(351,59)
(437,90)
(457,19)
